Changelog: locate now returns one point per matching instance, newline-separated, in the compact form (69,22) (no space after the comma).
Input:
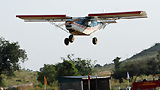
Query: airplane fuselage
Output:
(84,26)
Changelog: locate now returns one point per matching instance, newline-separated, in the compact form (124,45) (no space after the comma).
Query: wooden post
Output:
(88,82)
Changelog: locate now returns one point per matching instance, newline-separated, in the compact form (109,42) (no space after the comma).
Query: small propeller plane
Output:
(83,25)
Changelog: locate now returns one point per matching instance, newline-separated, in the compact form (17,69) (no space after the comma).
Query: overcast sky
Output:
(44,43)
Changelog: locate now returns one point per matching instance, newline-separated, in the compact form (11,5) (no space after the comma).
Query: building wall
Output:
(71,86)
(103,84)
(100,84)
(82,84)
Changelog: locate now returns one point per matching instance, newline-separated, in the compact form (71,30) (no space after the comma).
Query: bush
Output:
(40,85)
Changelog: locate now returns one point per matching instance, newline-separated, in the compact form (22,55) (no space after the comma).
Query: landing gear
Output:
(94,40)
(71,38)
(67,40)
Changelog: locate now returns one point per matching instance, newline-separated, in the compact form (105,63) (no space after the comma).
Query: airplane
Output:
(83,25)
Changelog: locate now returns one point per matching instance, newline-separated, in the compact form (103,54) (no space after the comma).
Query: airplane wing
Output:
(119,15)
(44,18)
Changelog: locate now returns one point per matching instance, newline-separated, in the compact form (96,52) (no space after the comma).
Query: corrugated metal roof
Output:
(85,77)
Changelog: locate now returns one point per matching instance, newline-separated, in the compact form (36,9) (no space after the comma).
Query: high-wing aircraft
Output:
(83,25)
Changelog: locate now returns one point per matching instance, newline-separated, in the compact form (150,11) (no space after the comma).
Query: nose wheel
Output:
(69,40)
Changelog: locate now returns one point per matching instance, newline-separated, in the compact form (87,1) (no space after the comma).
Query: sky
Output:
(44,43)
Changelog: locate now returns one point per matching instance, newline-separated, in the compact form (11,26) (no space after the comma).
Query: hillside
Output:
(21,77)
(147,53)
(143,55)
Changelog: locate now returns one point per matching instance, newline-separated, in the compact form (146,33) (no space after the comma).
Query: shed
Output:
(81,82)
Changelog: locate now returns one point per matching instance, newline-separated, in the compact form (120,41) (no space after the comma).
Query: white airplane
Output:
(83,25)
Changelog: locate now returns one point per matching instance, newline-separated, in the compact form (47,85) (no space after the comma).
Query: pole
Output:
(96,82)
(44,86)
(88,85)
(88,82)
(128,82)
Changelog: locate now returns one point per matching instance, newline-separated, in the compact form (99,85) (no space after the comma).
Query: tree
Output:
(105,65)
(137,68)
(83,66)
(119,74)
(66,68)
(116,62)
(10,55)
(97,66)
(49,72)
(52,72)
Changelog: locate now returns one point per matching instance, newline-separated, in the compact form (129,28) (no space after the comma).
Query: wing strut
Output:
(59,26)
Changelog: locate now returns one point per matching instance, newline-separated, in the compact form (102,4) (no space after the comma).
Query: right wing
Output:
(119,15)
(44,18)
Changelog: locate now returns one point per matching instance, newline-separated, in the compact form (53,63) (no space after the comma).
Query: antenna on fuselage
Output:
(104,11)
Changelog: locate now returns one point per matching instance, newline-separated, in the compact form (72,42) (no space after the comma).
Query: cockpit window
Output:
(86,22)
(89,23)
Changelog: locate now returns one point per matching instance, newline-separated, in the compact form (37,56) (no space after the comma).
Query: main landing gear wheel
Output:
(71,38)
(94,40)
(67,40)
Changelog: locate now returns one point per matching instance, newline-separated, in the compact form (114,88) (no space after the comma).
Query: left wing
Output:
(119,15)
(44,18)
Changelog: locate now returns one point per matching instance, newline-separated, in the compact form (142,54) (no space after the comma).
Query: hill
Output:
(143,55)
(146,54)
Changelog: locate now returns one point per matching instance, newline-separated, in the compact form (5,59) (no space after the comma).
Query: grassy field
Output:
(21,77)
(25,80)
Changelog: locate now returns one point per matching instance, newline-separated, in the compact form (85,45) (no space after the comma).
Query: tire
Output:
(94,40)
(66,41)
(71,38)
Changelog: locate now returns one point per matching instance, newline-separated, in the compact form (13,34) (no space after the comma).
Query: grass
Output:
(23,78)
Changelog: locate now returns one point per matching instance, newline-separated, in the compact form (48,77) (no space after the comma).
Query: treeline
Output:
(147,67)
(69,67)
(98,65)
